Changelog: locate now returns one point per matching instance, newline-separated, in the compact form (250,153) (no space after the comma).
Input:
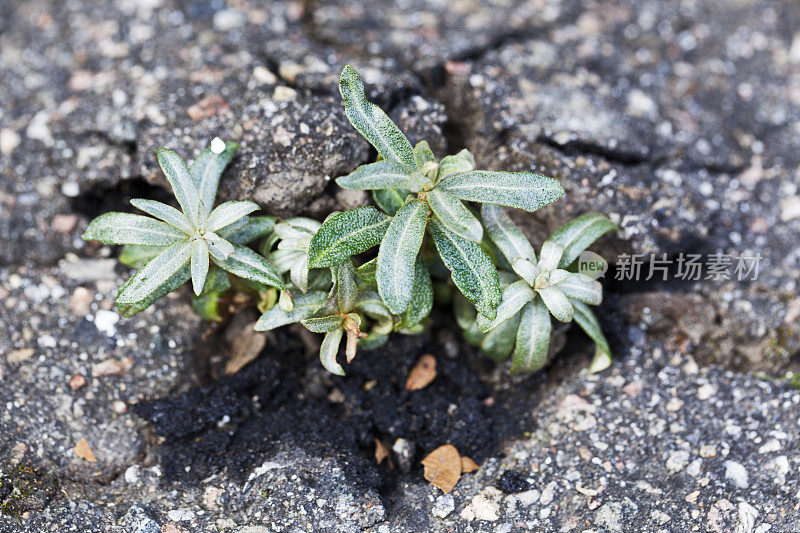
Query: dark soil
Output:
(283,398)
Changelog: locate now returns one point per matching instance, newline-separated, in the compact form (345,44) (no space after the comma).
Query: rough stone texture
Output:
(678,119)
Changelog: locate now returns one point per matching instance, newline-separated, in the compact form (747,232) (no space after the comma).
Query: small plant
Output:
(534,290)
(176,246)
(438,224)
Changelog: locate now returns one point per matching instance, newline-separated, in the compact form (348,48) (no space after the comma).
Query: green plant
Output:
(176,246)
(534,290)
(438,224)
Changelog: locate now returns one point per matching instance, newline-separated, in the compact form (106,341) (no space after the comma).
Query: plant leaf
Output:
(346,234)
(390,200)
(126,228)
(550,255)
(397,253)
(305,305)
(423,154)
(578,234)
(164,212)
(522,190)
(228,213)
(499,343)
(588,323)
(533,337)
(329,350)
(176,280)
(299,273)
(557,302)
(219,248)
(199,265)
(255,228)
(247,264)
(370,303)
(371,122)
(453,214)
(137,255)
(473,271)
(526,270)
(153,275)
(322,324)
(385,174)
(346,289)
(183,185)
(207,169)
(368,271)
(455,164)
(505,234)
(582,288)
(513,298)
(422,295)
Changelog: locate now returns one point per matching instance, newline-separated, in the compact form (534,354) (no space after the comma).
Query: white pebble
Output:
(217,145)
(106,321)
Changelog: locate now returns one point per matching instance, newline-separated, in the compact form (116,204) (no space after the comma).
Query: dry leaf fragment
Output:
(245,347)
(422,374)
(468,465)
(442,467)
(84,451)
(381,451)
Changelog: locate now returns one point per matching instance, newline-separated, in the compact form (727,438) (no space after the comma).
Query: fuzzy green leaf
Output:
(588,323)
(473,271)
(423,154)
(550,255)
(228,213)
(219,248)
(137,255)
(371,122)
(207,169)
(513,298)
(582,288)
(247,264)
(557,302)
(329,350)
(155,273)
(398,252)
(164,212)
(322,324)
(346,234)
(422,295)
(176,280)
(284,260)
(299,273)
(385,174)
(456,164)
(390,200)
(464,312)
(526,270)
(505,234)
(453,214)
(370,303)
(499,343)
(522,190)
(368,271)
(305,305)
(183,185)
(207,303)
(255,228)
(578,234)
(533,338)
(199,265)
(346,289)
(126,228)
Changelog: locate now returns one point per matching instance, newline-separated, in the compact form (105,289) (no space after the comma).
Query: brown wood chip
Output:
(381,451)
(84,451)
(422,374)
(442,467)
(468,465)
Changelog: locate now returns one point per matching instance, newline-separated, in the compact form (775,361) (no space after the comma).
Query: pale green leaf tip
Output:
(601,361)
